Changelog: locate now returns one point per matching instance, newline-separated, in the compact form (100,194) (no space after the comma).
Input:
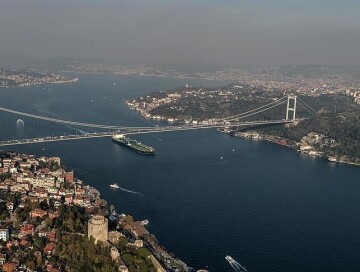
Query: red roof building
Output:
(52,236)
(27,230)
(9,267)
(68,199)
(52,268)
(38,213)
(69,176)
(25,243)
(48,249)
(53,214)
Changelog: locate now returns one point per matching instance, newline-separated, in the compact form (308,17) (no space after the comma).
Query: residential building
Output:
(4,234)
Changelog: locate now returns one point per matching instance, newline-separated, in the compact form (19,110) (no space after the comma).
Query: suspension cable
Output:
(259,111)
(234,116)
(304,106)
(314,111)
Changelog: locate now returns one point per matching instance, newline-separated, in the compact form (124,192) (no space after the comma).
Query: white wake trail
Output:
(129,191)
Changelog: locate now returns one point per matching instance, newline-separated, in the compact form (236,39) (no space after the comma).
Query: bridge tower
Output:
(291,107)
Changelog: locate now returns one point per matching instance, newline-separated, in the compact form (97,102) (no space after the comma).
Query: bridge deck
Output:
(136,131)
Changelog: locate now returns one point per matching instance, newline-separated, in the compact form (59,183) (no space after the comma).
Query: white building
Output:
(46,182)
(4,234)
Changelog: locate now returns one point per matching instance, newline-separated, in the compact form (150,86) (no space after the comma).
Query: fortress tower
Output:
(98,228)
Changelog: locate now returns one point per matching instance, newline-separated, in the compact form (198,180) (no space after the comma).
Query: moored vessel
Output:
(144,222)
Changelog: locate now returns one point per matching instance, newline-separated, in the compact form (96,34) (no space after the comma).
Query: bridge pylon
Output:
(291,107)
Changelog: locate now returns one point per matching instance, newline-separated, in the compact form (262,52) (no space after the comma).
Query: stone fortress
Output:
(98,228)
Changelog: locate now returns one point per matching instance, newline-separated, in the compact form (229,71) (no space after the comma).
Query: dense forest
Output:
(78,253)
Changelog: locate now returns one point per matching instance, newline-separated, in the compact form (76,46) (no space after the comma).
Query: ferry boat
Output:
(114,186)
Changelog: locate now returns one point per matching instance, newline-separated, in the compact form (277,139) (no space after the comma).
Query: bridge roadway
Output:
(139,130)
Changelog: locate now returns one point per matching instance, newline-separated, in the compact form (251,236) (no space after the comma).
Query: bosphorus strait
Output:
(267,206)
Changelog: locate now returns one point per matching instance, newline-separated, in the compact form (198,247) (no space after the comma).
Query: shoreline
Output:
(37,83)
(41,179)
(151,242)
(261,137)
(279,141)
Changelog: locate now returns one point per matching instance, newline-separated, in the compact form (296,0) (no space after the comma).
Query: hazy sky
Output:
(177,32)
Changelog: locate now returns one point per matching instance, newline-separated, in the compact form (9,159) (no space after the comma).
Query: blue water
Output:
(268,207)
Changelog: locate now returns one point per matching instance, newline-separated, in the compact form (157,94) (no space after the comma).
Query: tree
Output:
(30,264)
(81,254)
(144,252)
(44,205)
(4,213)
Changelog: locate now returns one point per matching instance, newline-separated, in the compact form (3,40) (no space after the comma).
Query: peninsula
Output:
(23,78)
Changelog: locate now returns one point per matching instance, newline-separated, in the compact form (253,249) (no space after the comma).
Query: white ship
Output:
(114,186)
(144,222)
(235,265)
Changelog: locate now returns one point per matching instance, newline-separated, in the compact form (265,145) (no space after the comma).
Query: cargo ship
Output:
(138,147)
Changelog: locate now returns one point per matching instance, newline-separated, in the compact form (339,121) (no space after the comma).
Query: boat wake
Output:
(129,191)
(235,265)
(158,138)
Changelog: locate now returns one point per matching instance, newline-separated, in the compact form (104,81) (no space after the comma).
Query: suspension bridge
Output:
(56,126)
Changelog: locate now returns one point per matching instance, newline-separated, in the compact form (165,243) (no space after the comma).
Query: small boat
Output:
(114,186)
(144,222)
(233,150)
(221,158)
(234,264)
